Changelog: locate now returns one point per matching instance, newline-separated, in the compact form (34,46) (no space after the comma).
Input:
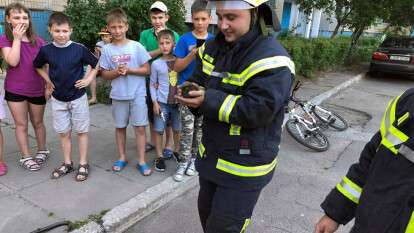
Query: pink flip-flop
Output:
(3,169)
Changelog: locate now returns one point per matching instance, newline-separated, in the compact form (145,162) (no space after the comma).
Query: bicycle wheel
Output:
(331,118)
(315,140)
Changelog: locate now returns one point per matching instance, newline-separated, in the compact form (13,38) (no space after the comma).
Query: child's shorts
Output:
(12,97)
(134,110)
(171,115)
(72,115)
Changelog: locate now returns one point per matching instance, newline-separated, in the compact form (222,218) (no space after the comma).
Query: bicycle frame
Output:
(307,107)
(310,125)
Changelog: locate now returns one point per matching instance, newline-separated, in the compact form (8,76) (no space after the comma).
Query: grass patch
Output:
(91,218)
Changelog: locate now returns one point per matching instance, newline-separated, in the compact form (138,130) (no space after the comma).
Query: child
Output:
(148,38)
(105,39)
(3,166)
(24,88)
(125,62)
(185,52)
(66,83)
(165,106)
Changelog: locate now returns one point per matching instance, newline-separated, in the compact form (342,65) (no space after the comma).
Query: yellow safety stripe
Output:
(235,130)
(246,223)
(349,189)
(201,51)
(384,128)
(201,150)
(208,58)
(410,226)
(257,67)
(391,136)
(207,67)
(403,137)
(227,107)
(245,171)
(403,118)
(253,69)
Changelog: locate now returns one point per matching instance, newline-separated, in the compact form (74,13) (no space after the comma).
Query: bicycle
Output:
(307,129)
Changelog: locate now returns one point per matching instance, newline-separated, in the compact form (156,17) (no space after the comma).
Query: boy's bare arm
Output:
(181,63)
(109,74)
(141,71)
(155,53)
(43,73)
(90,75)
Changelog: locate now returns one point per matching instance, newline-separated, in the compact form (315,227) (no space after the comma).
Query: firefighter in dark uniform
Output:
(241,85)
(378,191)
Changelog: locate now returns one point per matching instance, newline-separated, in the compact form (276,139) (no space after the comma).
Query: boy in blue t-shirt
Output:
(125,63)
(185,52)
(66,83)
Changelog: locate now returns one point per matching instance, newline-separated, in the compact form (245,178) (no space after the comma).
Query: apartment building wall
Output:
(51,5)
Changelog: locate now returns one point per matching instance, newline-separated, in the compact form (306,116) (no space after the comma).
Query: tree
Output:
(88,17)
(364,15)
(400,13)
(356,15)
(138,14)
(340,9)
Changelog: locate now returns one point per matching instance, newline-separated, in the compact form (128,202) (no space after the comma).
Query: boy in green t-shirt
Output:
(159,18)
(148,38)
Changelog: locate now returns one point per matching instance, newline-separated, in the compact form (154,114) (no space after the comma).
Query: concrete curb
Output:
(127,214)
(120,218)
(322,97)
(91,227)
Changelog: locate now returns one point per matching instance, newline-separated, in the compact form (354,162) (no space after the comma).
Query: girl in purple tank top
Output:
(24,88)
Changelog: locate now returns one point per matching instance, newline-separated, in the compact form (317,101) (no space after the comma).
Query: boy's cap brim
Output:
(159,6)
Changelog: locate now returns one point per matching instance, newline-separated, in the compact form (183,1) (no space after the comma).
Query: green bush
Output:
(103,88)
(319,54)
(139,19)
(88,17)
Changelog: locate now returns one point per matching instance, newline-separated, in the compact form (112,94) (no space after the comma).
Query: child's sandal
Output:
(62,170)
(30,164)
(82,173)
(119,165)
(144,169)
(41,156)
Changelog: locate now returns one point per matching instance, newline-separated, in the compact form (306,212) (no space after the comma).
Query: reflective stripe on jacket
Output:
(378,190)
(247,87)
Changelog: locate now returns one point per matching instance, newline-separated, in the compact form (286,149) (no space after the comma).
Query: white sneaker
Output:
(191,170)
(179,173)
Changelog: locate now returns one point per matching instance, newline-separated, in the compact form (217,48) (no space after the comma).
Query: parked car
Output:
(394,55)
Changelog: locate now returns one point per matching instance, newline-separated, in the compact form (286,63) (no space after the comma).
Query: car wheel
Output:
(372,72)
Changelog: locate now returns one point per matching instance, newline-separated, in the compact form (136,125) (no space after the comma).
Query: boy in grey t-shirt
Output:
(125,63)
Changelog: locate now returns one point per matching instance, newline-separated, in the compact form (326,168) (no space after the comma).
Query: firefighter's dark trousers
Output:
(225,210)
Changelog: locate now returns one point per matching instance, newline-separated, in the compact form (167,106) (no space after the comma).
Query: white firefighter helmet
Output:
(264,10)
